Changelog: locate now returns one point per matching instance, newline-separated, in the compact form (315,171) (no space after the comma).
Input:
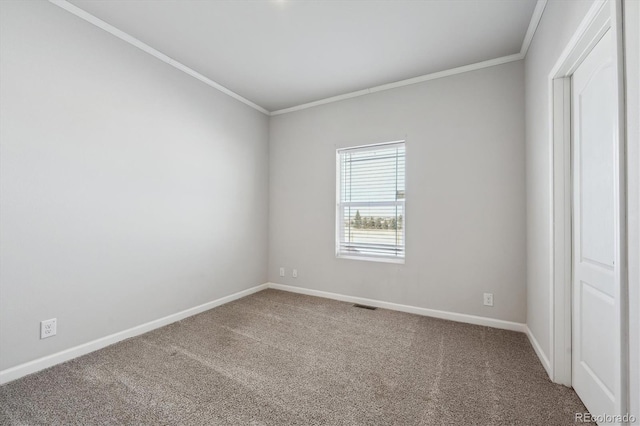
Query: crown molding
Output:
(407,82)
(531,30)
(151,51)
(533,25)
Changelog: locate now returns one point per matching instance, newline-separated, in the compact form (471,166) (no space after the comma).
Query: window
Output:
(370,217)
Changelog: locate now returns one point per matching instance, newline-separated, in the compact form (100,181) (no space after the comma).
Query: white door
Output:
(596,352)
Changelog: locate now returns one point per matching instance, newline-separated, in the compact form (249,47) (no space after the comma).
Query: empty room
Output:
(322,212)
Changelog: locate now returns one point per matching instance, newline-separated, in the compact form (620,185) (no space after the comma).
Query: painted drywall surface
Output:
(559,22)
(130,191)
(465,193)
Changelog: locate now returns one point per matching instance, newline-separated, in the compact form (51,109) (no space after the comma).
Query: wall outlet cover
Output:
(48,328)
(488,299)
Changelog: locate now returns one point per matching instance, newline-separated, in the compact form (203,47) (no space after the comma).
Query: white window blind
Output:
(370,217)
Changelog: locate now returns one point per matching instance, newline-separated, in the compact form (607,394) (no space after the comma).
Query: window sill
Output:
(372,259)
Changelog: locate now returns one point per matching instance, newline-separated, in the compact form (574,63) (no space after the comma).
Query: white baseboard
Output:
(452,316)
(39,364)
(538,349)
(30,367)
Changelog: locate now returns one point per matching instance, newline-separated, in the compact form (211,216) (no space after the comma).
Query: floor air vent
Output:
(371,308)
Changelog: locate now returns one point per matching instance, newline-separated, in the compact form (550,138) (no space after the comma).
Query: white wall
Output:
(130,190)
(559,22)
(465,193)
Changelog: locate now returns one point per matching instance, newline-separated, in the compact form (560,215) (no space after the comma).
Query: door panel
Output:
(596,296)
(596,333)
(596,119)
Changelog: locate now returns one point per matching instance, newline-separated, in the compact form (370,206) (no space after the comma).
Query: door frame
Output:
(601,17)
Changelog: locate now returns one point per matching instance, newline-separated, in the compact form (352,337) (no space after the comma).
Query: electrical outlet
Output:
(48,328)
(281,271)
(488,299)
(294,273)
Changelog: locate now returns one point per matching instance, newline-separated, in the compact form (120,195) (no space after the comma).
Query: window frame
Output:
(339,230)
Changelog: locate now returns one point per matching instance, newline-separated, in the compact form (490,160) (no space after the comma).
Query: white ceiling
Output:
(283,53)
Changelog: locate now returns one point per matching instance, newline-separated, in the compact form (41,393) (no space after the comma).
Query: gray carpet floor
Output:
(277,358)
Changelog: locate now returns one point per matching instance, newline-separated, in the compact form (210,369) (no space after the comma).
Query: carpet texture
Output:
(278,358)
